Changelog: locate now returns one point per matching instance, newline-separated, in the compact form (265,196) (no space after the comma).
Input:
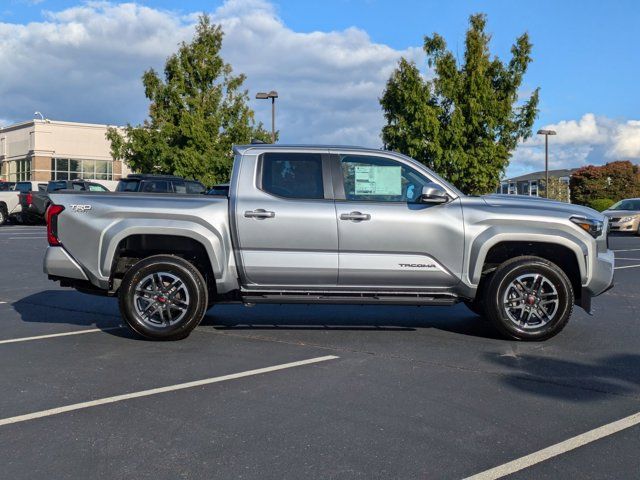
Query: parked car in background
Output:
(624,216)
(150,183)
(222,189)
(35,204)
(10,206)
(330,225)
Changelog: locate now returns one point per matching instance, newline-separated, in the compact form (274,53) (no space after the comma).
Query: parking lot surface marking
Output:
(625,258)
(628,250)
(155,391)
(53,335)
(626,266)
(558,448)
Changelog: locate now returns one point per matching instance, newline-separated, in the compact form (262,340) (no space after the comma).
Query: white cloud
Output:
(85,63)
(590,140)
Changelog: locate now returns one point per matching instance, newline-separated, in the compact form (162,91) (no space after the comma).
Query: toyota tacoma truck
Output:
(337,225)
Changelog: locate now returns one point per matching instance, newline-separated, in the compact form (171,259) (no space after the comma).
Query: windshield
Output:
(626,205)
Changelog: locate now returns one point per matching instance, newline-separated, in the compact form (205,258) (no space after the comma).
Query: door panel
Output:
(283,240)
(387,239)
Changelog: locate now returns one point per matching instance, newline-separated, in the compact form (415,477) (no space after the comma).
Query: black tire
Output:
(187,302)
(510,320)
(3,214)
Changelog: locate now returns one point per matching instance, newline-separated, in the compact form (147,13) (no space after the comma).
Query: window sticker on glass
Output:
(377,180)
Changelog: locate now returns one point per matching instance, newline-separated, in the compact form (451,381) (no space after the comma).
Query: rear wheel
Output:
(3,215)
(163,297)
(529,298)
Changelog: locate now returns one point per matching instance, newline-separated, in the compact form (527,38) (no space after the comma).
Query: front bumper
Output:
(601,278)
(58,263)
(630,226)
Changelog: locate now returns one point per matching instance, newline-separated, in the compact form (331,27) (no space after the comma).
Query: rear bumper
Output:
(58,263)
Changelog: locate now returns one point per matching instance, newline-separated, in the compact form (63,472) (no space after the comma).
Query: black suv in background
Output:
(149,183)
(34,204)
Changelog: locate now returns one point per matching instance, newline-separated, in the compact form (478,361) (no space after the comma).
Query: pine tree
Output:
(466,122)
(196,114)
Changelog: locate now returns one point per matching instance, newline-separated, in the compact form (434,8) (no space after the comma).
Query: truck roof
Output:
(241,149)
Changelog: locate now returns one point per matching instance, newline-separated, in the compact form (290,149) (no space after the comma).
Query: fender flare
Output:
(119,230)
(492,236)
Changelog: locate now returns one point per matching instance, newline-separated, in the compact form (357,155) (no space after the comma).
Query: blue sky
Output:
(586,57)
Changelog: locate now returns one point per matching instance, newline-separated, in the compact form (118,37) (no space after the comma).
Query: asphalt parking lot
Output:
(274,392)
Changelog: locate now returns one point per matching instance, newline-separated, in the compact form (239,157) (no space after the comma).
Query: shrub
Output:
(601,204)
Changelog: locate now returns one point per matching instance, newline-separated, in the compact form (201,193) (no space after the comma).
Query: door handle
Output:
(355,216)
(259,213)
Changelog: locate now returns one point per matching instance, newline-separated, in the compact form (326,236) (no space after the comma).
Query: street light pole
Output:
(272,95)
(546,134)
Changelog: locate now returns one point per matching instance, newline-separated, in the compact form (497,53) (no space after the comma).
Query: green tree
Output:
(614,181)
(196,114)
(466,121)
(558,190)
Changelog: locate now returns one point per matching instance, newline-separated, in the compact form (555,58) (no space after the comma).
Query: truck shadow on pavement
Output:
(456,319)
(571,380)
(73,308)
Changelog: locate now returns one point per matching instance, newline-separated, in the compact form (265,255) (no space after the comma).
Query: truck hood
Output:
(540,205)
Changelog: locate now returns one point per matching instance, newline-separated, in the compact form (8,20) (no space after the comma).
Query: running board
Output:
(365,298)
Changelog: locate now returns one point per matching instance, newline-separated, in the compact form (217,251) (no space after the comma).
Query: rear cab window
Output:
(292,175)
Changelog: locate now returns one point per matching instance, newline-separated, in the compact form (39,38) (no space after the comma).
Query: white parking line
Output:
(2,303)
(54,335)
(628,250)
(626,266)
(625,258)
(558,448)
(155,391)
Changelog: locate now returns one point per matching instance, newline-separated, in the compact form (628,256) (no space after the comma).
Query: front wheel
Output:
(163,297)
(529,298)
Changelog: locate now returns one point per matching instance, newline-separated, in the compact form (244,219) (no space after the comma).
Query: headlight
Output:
(626,219)
(589,225)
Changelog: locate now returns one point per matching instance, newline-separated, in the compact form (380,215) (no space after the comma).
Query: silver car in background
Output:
(624,216)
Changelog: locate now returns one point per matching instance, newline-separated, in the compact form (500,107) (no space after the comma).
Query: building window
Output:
(533,191)
(19,170)
(72,169)
(512,188)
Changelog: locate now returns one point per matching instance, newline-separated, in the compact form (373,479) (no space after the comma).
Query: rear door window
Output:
(195,187)
(155,186)
(127,186)
(293,175)
(179,186)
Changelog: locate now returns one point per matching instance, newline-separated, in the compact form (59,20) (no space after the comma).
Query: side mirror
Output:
(433,193)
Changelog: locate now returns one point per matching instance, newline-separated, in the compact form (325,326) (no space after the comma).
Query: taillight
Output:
(52,224)
(28,197)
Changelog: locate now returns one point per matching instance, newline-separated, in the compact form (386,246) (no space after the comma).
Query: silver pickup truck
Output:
(339,225)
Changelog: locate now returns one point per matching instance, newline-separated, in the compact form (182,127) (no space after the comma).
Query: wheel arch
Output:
(569,258)
(137,246)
